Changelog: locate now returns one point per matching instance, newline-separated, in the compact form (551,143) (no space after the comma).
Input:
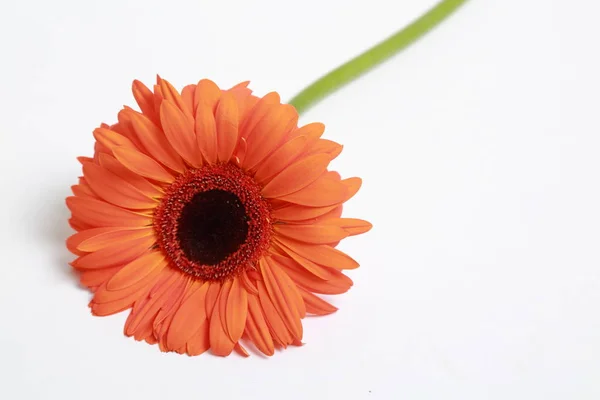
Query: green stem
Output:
(374,56)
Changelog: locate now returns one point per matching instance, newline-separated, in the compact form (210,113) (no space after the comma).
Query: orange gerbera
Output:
(213,216)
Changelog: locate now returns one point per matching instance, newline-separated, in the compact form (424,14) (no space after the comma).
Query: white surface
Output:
(479,153)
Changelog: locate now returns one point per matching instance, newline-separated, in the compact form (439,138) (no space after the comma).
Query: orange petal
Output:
(150,339)
(99,148)
(254,276)
(157,298)
(324,146)
(179,130)
(295,212)
(321,254)
(280,290)
(171,303)
(171,94)
(206,133)
(99,213)
(137,270)
(82,160)
(83,190)
(353,226)
(78,225)
(145,99)
(170,276)
(353,185)
(315,269)
(338,282)
(187,95)
(124,128)
(75,240)
(322,219)
(241,350)
(212,296)
(102,303)
(240,86)
(207,95)
(220,342)
(181,350)
(315,305)
(312,131)
(96,277)
(114,307)
(137,291)
(189,317)
(200,341)
(280,158)
(119,253)
(317,234)
(237,310)
(240,151)
(163,320)
(141,164)
(248,285)
(111,236)
(227,124)
(111,139)
(257,327)
(244,99)
(116,190)
(158,99)
(299,299)
(155,141)
(269,133)
(258,112)
(325,191)
(297,176)
(114,166)
(285,281)
(140,304)
(222,302)
(277,327)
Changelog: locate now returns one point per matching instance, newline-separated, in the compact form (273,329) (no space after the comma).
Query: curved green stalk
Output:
(374,56)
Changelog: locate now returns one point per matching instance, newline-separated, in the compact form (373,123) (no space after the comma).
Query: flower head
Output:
(213,217)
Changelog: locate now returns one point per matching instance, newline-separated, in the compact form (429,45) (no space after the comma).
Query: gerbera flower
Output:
(214,217)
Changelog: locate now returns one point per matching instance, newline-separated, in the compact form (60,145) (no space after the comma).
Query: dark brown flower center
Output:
(212,226)
(213,222)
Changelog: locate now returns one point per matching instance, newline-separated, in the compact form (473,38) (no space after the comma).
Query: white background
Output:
(479,153)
